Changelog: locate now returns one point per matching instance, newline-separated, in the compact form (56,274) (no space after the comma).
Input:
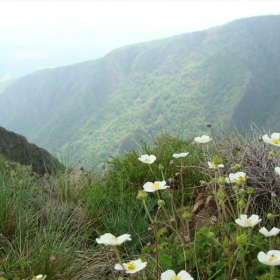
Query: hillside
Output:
(15,148)
(227,74)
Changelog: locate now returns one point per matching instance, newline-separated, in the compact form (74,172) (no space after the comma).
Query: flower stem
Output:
(182,183)
(152,171)
(162,175)
(156,246)
(271,272)
(118,256)
(147,211)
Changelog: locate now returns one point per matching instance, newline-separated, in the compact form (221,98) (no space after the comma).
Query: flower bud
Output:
(241,191)
(210,235)
(250,191)
(208,124)
(221,195)
(161,203)
(271,154)
(225,242)
(270,216)
(221,181)
(241,239)
(52,259)
(218,160)
(241,203)
(237,167)
(235,188)
(160,167)
(186,215)
(203,183)
(142,195)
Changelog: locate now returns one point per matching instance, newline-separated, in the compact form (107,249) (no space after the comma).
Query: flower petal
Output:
(272,257)
(147,159)
(266,139)
(152,187)
(110,239)
(184,275)
(272,232)
(167,275)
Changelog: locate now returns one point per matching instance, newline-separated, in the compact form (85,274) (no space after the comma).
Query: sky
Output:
(42,34)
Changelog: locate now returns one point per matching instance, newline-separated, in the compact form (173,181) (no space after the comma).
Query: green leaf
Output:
(165,262)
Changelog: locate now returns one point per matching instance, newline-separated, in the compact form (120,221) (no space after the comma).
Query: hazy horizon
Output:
(47,34)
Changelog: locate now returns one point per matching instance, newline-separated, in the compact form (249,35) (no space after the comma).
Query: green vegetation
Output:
(15,148)
(49,224)
(86,112)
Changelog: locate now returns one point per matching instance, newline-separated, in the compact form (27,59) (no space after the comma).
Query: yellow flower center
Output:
(131,266)
(147,160)
(114,238)
(249,223)
(156,185)
(240,179)
(275,141)
(175,278)
(213,165)
(272,259)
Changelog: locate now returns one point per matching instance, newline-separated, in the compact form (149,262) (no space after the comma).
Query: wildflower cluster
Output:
(228,192)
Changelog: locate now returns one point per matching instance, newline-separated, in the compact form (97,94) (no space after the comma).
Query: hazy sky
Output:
(55,33)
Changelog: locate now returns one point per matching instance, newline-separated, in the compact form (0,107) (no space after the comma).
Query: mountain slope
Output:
(15,147)
(92,109)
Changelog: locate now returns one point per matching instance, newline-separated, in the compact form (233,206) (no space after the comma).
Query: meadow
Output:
(202,208)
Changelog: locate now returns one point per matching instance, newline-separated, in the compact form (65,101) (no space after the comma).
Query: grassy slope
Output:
(49,225)
(172,86)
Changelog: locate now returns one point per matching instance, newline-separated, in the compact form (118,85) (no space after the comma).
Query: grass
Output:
(49,225)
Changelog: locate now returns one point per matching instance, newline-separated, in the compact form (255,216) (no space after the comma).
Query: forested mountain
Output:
(227,74)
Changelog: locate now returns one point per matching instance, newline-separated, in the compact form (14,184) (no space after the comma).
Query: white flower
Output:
(272,257)
(39,277)
(171,275)
(277,170)
(203,139)
(213,165)
(273,140)
(248,222)
(273,231)
(180,155)
(110,239)
(236,178)
(152,187)
(147,159)
(132,266)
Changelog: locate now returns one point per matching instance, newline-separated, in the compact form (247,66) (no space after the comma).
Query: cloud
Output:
(31,55)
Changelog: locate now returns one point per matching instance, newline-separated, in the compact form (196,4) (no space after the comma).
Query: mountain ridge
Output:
(100,107)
